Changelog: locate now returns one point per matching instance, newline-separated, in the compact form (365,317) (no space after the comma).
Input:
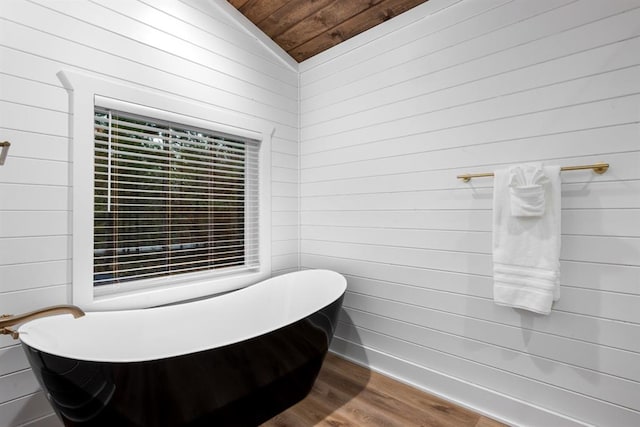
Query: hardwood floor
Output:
(348,395)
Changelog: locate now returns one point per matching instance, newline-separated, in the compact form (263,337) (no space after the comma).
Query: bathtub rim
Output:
(41,335)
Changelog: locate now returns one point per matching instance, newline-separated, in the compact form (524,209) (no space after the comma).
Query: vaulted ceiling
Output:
(304,28)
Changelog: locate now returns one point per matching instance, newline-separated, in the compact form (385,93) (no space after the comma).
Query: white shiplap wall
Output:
(185,48)
(388,120)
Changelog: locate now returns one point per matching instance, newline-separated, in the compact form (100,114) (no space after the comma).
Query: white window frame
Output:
(86,91)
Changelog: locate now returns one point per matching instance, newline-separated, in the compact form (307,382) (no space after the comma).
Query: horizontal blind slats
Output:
(151,216)
(186,268)
(227,232)
(147,164)
(170,199)
(164,145)
(167,155)
(141,244)
(147,257)
(177,260)
(102,122)
(141,143)
(192,229)
(157,187)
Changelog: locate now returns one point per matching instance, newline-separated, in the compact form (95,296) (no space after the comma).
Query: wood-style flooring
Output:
(349,395)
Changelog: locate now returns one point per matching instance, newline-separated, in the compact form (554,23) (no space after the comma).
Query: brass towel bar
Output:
(598,168)
(4,149)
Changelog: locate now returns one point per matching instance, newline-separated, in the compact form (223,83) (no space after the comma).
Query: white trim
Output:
(243,22)
(84,89)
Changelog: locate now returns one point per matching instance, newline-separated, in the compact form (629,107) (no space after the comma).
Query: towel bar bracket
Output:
(601,169)
(4,149)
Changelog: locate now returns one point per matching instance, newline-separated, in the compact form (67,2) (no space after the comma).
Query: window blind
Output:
(171,199)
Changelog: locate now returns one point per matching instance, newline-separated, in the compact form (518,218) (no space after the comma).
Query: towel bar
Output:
(598,168)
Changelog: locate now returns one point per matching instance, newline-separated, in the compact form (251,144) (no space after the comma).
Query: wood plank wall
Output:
(387,122)
(183,48)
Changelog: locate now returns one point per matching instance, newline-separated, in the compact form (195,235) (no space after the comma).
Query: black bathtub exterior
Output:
(242,384)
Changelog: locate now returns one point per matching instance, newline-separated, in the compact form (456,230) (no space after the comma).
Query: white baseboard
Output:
(495,405)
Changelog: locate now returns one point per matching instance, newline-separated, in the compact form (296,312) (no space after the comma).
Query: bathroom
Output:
(447,88)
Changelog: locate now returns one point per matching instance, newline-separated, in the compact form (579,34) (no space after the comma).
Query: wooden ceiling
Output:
(304,28)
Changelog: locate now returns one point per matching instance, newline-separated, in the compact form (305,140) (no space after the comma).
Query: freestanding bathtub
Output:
(231,360)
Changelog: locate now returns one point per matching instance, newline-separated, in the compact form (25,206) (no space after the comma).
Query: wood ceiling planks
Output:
(304,28)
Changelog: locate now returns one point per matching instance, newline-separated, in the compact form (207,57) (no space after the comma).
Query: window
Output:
(170,197)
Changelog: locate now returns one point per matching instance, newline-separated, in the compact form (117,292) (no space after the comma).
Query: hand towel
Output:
(526,237)
(527,190)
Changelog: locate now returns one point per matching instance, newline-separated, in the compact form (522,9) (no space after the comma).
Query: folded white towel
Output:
(526,237)
(527,189)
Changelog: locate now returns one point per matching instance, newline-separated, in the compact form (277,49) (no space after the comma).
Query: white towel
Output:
(527,190)
(526,237)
